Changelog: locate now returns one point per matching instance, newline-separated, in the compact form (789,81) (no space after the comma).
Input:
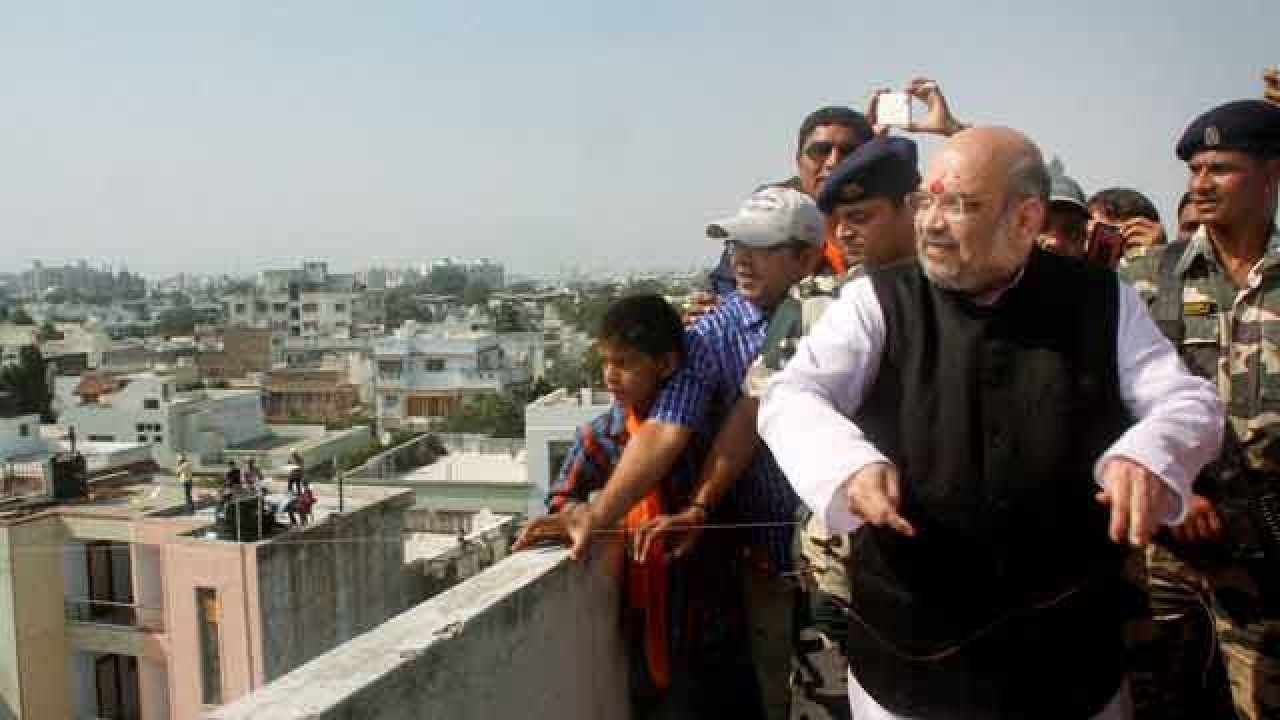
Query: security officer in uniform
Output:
(1218,298)
(864,200)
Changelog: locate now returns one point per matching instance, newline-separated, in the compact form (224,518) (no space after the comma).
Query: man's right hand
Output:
(1271,85)
(874,493)
(1202,524)
(700,303)
(574,523)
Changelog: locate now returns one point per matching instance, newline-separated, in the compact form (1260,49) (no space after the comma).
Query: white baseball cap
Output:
(773,216)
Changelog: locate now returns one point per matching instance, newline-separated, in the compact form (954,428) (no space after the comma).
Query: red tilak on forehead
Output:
(936,187)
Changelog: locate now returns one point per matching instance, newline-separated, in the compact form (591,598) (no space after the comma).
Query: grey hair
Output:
(1029,177)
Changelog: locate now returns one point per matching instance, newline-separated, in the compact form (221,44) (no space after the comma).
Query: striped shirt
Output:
(720,348)
(597,446)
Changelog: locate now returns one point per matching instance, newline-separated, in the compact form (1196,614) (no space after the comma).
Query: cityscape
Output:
(426,408)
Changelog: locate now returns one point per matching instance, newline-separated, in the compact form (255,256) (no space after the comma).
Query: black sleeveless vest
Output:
(1006,604)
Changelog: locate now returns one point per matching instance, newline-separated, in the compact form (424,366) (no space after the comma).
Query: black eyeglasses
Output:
(821,150)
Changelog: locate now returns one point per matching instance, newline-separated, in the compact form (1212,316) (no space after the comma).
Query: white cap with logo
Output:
(770,217)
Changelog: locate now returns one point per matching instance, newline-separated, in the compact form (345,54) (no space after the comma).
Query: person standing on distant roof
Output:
(184,476)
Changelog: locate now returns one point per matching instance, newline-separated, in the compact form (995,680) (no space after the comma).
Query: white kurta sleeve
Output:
(806,409)
(1180,417)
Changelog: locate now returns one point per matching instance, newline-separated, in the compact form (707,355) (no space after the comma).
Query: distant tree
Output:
(401,305)
(49,332)
(19,316)
(177,321)
(508,319)
(178,299)
(492,415)
(446,280)
(476,293)
(573,373)
(28,382)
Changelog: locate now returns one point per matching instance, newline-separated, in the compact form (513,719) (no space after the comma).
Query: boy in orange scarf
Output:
(681,614)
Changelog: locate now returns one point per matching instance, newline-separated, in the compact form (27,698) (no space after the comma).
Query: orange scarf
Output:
(646,582)
(833,253)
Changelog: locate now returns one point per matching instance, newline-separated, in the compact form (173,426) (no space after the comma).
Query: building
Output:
(24,454)
(302,304)
(425,376)
(15,337)
(211,426)
(121,605)
(309,395)
(549,426)
(244,350)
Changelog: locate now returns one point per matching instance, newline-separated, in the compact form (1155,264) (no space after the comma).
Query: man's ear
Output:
(1031,216)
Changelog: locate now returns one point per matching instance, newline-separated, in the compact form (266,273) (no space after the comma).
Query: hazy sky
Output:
(229,136)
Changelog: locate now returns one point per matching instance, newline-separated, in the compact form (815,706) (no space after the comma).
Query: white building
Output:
(549,426)
(147,408)
(423,376)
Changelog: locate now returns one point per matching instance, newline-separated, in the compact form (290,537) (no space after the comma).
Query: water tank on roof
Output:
(70,477)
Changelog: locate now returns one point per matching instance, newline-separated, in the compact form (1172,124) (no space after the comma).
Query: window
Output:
(151,404)
(102,438)
(278,307)
(260,307)
(142,427)
(157,439)
(309,308)
(390,401)
(240,308)
(207,611)
(433,364)
(339,307)
(24,430)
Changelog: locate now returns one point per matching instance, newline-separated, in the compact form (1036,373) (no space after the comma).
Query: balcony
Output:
(535,636)
(102,612)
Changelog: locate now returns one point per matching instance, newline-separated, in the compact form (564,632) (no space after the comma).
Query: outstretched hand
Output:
(574,523)
(874,494)
(1138,499)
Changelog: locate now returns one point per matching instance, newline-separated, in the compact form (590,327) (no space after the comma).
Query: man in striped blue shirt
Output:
(775,240)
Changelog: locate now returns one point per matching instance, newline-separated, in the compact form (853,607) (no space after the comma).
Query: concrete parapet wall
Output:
(535,636)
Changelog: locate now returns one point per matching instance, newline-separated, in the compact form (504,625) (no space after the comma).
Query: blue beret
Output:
(1249,126)
(882,166)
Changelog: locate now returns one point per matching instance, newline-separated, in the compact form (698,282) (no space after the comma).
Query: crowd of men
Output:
(959,441)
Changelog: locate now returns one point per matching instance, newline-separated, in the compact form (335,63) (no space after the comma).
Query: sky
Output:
(233,136)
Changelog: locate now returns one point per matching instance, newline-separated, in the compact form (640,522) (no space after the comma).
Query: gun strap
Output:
(1167,308)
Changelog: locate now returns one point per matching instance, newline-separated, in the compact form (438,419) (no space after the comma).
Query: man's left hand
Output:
(1139,500)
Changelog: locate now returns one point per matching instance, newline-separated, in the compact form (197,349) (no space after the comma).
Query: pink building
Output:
(122,605)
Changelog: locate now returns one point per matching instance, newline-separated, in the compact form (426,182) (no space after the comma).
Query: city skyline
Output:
(220,140)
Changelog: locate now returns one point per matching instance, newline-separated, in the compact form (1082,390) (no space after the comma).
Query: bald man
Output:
(995,423)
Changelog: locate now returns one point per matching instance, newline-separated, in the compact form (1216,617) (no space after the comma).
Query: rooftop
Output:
(483,468)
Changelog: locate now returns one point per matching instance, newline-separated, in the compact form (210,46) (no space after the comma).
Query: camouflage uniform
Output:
(819,677)
(1244,325)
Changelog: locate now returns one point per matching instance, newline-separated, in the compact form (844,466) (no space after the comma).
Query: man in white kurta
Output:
(978,214)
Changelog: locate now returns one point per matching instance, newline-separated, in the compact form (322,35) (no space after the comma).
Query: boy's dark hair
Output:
(646,323)
(845,116)
(1124,204)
